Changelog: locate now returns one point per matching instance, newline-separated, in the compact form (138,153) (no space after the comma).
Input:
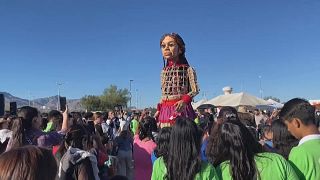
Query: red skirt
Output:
(168,112)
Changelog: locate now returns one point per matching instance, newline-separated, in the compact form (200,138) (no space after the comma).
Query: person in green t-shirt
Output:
(183,160)
(134,124)
(237,155)
(299,117)
(54,121)
(269,165)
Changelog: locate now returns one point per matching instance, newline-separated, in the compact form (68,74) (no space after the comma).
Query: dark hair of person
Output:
(178,39)
(125,134)
(88,115)
(265,129)
(184,161)
(298,108)
(76,116)
(228,113)
(146,126)
(76,137)
(23,123)
(5,115)
(97,115)
(153,121)
(247,119)
(206,122)
(282,140)
(118,177)
(44,122)
(28,162)
(98,141)
(162,142)
(10,120)
(232,141)
(3,121)
(56,118)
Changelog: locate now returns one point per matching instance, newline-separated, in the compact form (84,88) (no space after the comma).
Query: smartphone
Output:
(63,103)
(13,108)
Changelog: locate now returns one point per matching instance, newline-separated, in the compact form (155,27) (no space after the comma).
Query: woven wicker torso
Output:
(175,82)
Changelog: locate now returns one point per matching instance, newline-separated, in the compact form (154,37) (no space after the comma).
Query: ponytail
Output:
(18,133)
(21,125)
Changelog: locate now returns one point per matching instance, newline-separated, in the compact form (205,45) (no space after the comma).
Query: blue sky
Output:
(91,44)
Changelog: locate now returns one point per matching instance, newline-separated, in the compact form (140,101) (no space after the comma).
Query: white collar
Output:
(308,138)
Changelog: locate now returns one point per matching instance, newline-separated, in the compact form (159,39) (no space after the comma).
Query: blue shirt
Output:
(203,150)
(153,157)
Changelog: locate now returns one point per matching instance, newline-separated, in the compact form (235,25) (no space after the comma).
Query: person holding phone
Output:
(27,130)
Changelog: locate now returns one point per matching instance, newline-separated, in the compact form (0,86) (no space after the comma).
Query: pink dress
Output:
(142,158)
(178,82)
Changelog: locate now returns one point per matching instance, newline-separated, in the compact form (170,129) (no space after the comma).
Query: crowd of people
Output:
(175,143)
(227,144)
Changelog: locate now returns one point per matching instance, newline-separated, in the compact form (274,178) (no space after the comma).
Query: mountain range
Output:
(43,104)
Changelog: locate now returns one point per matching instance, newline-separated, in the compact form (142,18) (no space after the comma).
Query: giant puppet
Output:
(178,81)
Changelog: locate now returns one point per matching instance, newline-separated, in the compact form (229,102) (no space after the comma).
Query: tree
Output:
(110,98)
(91,102)
(113,96)
(273,98)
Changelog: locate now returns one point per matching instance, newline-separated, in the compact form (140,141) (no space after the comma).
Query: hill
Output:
(43,104)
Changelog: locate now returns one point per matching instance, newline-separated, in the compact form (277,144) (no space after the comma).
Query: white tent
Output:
(274,103)
(237,99)
(314,102)
(195,105)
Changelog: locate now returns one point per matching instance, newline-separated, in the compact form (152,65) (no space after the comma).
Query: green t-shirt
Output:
(305,159)
(49,127)
(134,126)
(207,172)
(197,121)
(270,166)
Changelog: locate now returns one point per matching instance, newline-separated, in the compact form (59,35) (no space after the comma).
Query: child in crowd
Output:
(205,124)
(75,160)
(54,121)
(26,130)
(134,124)
(299,116)
(183,161)
(123,145)
(266,138)
(282,140)
(237,155)
(162,141)
(143,145)
(28,162)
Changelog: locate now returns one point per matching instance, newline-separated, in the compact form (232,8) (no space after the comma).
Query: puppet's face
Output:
(169,48)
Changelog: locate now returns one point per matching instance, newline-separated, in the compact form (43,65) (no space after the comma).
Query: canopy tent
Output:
(274,103)
(195,105)
(266,107)
(206,106)
(314,102)
(237,99)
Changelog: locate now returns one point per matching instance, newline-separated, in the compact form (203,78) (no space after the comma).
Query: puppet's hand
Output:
(179,105)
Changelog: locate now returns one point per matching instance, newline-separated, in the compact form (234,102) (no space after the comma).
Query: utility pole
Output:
(130,92)
(137,100)
(260,87)
(29,98)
